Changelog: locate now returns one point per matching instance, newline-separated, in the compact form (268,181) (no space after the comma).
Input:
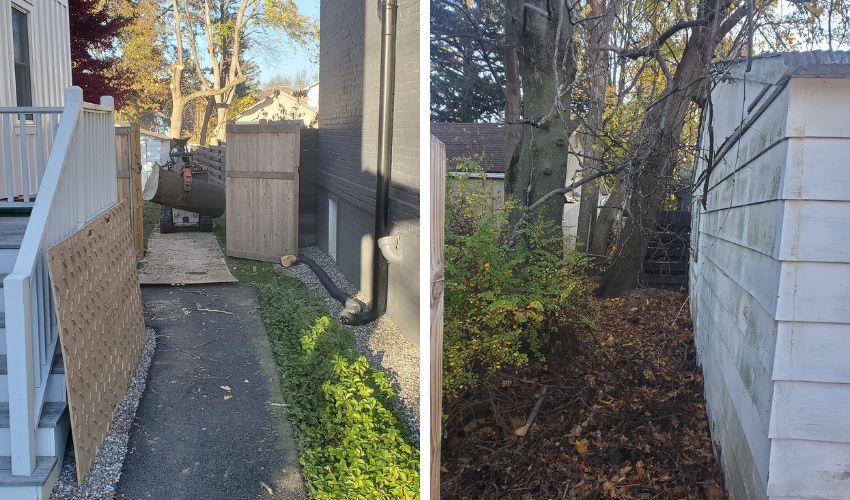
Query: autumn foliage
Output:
(94,32)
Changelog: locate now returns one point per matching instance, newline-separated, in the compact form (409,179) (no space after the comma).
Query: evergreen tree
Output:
(467,60)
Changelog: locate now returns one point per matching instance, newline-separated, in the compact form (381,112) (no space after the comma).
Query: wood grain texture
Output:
(438,213)
(128,166)
(136,222)
(98,307)
(262,188)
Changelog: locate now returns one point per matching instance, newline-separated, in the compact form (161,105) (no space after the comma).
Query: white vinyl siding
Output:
(49,51)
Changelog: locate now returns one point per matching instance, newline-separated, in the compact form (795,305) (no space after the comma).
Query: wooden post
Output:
(136,190)
(438,214)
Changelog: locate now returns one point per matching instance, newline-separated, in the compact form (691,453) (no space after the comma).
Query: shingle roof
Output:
(484,142)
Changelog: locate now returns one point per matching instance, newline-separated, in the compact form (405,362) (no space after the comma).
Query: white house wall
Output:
(770,286)
(50,52)
(810,454)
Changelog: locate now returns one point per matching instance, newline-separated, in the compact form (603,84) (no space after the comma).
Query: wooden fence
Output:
(262,190)
(438,214)
(214,159)
(128,166)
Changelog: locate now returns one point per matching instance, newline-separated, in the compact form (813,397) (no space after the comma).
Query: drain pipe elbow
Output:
(389,249)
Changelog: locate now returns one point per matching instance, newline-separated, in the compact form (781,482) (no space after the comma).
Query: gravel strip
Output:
(106,470)
(380,342)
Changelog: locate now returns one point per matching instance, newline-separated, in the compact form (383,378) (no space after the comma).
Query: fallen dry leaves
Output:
(624,416)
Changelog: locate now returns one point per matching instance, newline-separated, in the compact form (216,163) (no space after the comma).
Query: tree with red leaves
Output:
(93,37)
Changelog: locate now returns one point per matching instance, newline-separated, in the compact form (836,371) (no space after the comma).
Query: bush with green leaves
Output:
(503,300)
(352,443)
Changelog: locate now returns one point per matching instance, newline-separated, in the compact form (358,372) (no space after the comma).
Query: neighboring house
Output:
(155,147)
(770,275)
(312,92)
(55,147)
(484,145)
(281,106)
(348,137)
(475,150)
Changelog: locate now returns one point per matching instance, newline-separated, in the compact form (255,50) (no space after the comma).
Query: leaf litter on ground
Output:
(624,416)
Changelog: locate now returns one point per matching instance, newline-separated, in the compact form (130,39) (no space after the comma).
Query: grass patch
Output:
(351,443)
(150,214)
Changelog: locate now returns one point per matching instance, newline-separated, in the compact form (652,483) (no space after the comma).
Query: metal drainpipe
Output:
(380,265)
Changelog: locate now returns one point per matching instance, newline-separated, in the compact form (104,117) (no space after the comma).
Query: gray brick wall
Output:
(349,93)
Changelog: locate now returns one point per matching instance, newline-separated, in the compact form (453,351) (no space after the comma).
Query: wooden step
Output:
(44,466)
(12,231)
(57,368)
(51,413)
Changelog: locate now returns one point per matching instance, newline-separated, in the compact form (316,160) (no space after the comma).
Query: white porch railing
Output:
(78,183)
(26,136)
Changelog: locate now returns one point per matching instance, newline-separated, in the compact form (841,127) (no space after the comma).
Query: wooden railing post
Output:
(19,349)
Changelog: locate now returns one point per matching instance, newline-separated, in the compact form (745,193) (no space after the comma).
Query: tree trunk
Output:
(655,158)
(166,188)
(512,88)
(605,221)
(598,36)
(547,68)
(205,121)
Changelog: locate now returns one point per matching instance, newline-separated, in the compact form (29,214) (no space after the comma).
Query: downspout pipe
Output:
(380,264)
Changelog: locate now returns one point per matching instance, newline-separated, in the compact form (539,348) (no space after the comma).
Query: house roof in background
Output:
(271,99)
(484,142)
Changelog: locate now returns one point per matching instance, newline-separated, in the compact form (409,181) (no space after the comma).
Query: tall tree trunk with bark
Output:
(658,140)
(598,35)
(543,34)
(512,92)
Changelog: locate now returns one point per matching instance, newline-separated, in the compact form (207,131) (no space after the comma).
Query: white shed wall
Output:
(770,285)
(50,51)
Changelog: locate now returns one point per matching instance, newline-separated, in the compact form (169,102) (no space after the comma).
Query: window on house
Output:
(20,37)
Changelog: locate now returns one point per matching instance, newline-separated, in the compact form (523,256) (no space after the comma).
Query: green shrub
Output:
(502,301)
(352,444)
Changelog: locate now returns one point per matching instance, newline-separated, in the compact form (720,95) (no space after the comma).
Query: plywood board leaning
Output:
(101,325)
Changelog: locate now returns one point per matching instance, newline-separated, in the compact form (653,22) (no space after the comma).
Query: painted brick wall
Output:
(349,95)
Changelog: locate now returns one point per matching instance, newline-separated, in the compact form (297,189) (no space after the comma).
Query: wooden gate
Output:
(262,189)
(128,165)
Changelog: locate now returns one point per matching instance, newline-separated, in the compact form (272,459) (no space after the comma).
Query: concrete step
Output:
(51,435)
(55,392)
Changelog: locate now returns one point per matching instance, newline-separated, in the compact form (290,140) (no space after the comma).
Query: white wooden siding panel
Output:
(814,291)
(816,231)
(742,314)
(818,169)
(815,352)
(809,469)
(820,108)
(735,455)
(758,181)
(756,227)
(769,128)
(811,411)
(755,272)
(737,349)
(743,411)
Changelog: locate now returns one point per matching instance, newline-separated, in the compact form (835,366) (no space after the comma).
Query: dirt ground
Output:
(620,414)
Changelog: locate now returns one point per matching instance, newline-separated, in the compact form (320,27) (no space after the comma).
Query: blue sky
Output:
(288,60)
